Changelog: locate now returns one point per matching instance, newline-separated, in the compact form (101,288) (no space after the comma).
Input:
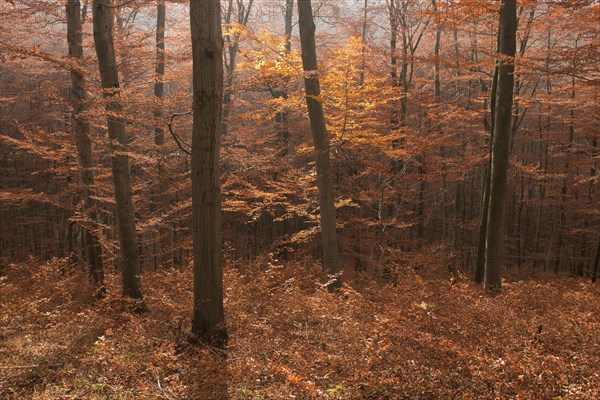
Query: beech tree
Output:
(329,240)
(207,51)
(103,18)
(81,130)
(232,44)
(501,144)
(165,256)
(429,203)
(487,180)
(281,118)
(596,262)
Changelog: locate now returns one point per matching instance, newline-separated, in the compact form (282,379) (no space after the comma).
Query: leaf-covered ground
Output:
(422,338)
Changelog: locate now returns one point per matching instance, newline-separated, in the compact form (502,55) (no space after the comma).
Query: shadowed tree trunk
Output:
(331,257)
(500,146)
(207,51)
(596,263)
(437,88)
(103,17)
(485,203)
(81,130)
(393,15)
(162,197)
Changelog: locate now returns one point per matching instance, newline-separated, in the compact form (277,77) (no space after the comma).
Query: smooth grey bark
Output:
(208,324)
(81,130)
(103,17)
(161,196)
(331,257)
(500,147)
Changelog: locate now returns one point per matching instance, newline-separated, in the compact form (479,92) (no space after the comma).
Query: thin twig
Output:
(177,139)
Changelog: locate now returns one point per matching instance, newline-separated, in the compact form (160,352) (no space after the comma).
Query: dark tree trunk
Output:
(394,60)
(207,50)
(596,263)
(162,197)
(331,257)
(485,203)
(437,89)
(103,17)
(81,130)
(500,147)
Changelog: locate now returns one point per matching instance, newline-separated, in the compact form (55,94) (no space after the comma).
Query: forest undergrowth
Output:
(422,337)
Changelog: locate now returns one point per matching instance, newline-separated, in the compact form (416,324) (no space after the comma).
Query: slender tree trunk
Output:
(480,264)
(162,197)
(394,60)
(207,51)
(81,131)
(596,263)
(404,78)
(436,67)
(436,96)
(563,191)
(243,14)
(363,50)
(289,15)
(500,147)
(519,224)
(281,118)
(103,17)
(483,226)
(331,257)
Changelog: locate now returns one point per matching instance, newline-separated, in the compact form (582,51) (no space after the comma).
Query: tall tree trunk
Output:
(485,204)
(394,60)
(207,51)
(363,50)
(281,118)
(331,257)
(81,131)
(500,147)
(103,17)
(404,77)
(289,15)
(563,191)
(162,197)
(436,95)
(436,67)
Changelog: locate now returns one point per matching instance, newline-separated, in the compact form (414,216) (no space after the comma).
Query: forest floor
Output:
(422,338)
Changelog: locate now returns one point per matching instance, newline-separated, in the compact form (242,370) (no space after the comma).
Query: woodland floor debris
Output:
(425,338)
